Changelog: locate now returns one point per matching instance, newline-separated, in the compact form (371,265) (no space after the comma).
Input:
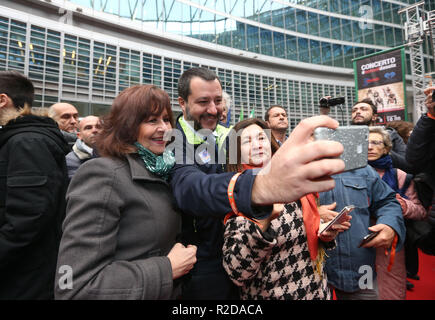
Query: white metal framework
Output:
(415,30)
(431,28)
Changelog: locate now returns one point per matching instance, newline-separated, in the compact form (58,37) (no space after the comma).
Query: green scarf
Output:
(159,165)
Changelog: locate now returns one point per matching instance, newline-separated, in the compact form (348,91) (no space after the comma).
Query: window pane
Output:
(347,30)
(290,19)
(368,36)
(301,21)
(238,36)
(313,23)
(253,42)
(315,52)
(279,44)
(336,28)
(345,8)
(338,55)
(379,35)
(304,53)
(325,28)
(278,18)
(326,53)
(292,49)
(348,56)
(266,42)
(386,8)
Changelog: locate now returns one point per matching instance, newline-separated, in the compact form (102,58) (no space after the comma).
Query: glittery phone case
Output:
(354,140)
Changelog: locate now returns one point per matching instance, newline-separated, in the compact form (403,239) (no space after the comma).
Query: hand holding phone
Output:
(367,238)
(354,140)
(340,218)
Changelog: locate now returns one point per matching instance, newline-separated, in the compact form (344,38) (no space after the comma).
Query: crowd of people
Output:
(140,205)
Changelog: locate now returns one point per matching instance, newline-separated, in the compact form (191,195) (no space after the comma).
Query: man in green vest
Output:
(200,183)
(200,98)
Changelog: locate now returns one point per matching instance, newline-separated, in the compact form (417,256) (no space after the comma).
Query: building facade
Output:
(264,51)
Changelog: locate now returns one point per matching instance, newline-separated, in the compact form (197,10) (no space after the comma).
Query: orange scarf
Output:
(311,222)
(248,166)
(311,219)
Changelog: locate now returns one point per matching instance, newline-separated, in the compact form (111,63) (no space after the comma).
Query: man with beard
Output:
(200,98)
(33,182)
(276,118)
(206,193)
(364,112)
(82,150)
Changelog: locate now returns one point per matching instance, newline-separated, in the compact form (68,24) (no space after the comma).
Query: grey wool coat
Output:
(120,224)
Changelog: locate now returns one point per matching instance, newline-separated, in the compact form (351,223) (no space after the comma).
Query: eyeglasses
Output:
(376,143)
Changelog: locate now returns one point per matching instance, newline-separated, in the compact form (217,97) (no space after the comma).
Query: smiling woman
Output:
(392,283)
(120,227)
(279,257)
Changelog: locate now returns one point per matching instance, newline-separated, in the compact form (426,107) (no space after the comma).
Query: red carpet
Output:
(424,289)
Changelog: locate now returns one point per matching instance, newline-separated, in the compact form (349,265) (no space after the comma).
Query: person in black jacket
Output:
(33,181)
(84,147)
(421,154)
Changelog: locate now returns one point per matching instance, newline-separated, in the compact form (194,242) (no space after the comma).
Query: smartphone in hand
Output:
(367,238)
(354,140)
(339,218)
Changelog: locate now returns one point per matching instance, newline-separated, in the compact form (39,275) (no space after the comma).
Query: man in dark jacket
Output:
(83,148)
(67,118)
(33,180)
(208,279)
(364,112)
(200,183)
(421,154)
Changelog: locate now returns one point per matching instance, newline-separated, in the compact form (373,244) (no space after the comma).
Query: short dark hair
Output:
(369,102)
(186,77)
(266,115)
(129,109)
(402,127)
(17,87)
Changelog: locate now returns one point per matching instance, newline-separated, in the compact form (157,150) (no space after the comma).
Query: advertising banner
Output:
(381,78)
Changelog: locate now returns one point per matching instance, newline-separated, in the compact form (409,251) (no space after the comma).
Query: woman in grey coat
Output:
(121,224)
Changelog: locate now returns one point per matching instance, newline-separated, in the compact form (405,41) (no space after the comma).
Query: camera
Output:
(326,103)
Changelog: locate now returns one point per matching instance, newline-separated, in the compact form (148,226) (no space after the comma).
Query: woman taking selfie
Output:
(280,257)
(120,227)
(392,284)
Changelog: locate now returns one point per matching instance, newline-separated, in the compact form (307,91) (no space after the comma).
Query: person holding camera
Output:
(364,112)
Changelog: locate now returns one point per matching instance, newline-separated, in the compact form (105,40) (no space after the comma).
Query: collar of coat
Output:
(194,138)
(9,114)
(138,170)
